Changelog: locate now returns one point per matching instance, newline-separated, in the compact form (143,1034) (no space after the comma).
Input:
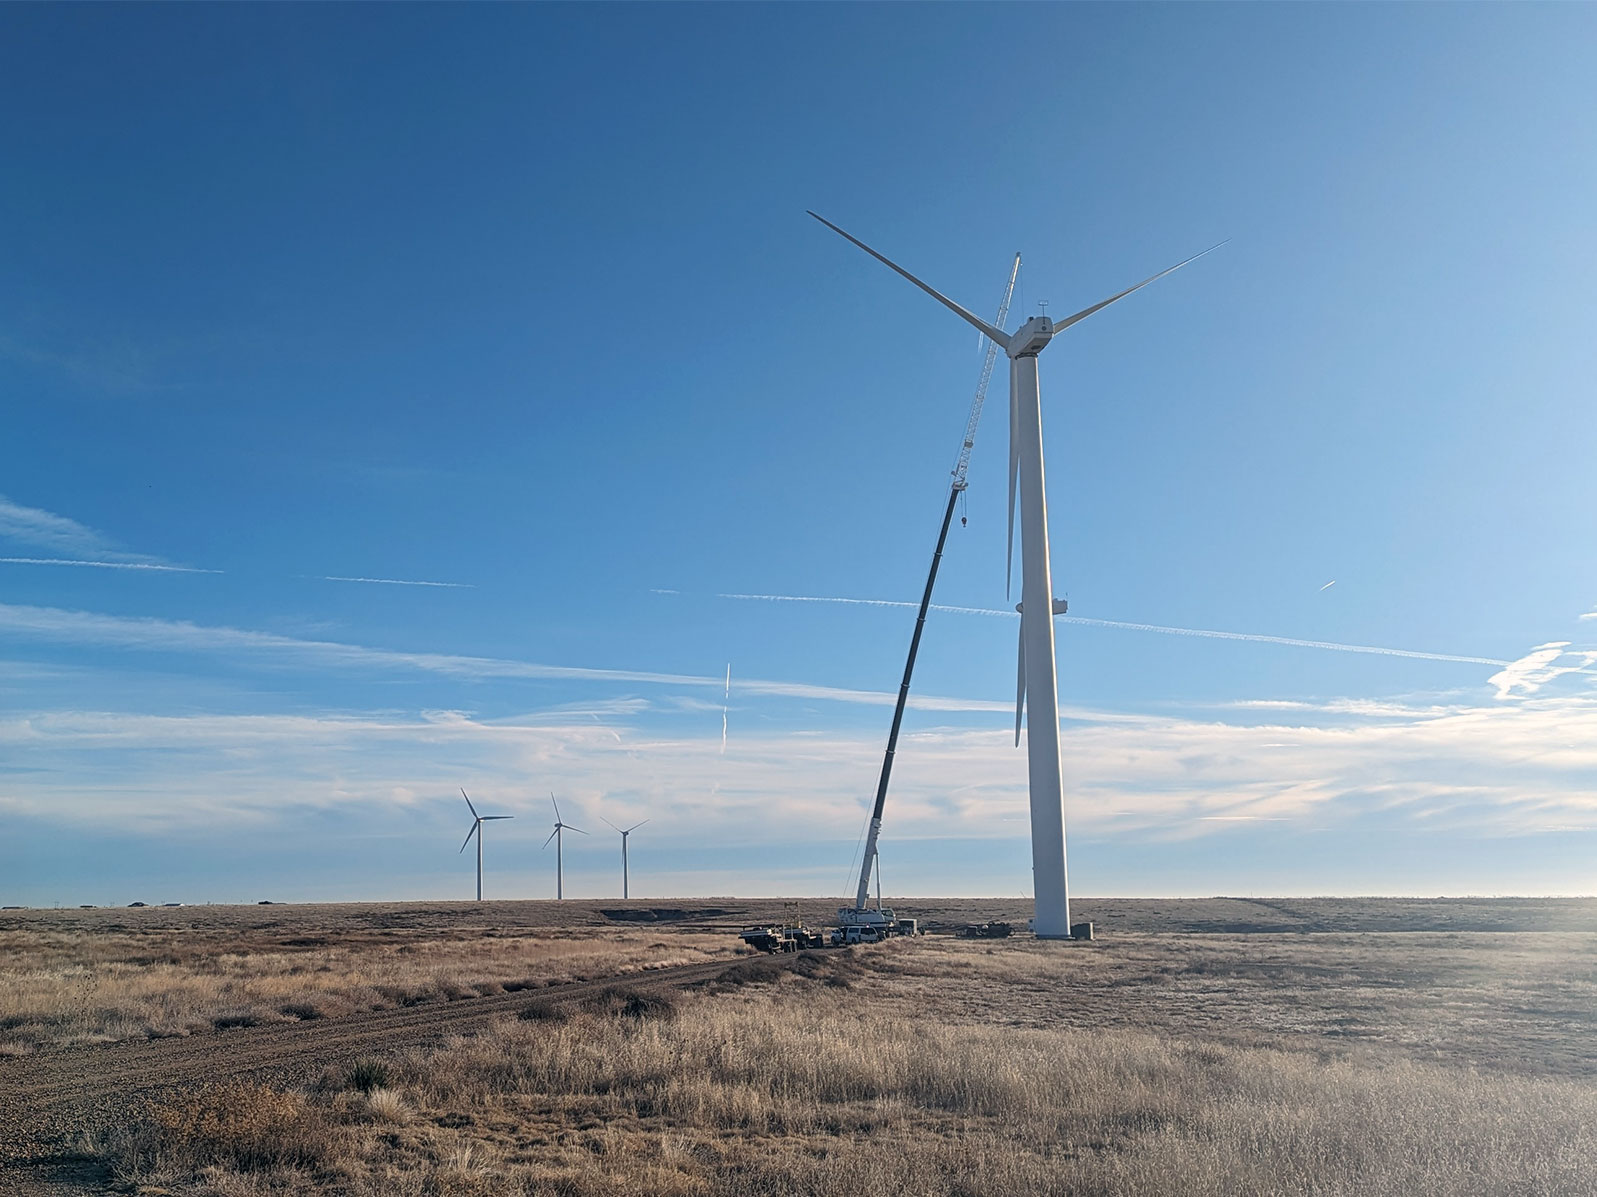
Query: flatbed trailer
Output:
(782,939)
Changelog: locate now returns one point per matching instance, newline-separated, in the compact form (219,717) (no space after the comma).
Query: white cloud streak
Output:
(144,565)
(150,634)
(164,635)
(398,582)
(1206,633)
(1498,770)
(1543,664)
(35,526)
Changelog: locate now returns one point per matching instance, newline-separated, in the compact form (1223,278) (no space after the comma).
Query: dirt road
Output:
(48,1100)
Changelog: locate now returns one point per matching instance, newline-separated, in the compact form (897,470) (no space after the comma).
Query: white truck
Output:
(861,924)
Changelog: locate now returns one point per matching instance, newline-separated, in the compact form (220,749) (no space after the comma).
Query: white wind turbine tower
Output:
(476,830)
(560,843)
(1037,683)
(624,834)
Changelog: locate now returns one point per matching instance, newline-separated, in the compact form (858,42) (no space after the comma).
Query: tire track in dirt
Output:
(49,1099)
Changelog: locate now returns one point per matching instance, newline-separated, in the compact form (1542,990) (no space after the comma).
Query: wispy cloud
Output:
(1543,664)
(120,368)
(165,635)
(399,582)
(145,565)
(46,529)
(1498,769)
(1208,633)
(662,590)
(147,633)
(1592,614)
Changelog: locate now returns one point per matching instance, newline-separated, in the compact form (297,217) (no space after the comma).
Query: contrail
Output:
(726,699)
(398,582)
(1252,637)
(190,569)
(1329,584)
(164,569)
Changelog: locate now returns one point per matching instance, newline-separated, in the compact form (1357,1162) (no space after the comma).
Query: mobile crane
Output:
(859,923)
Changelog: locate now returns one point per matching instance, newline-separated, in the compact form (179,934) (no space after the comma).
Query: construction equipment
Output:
(790,937)
(986,931)
(882,922)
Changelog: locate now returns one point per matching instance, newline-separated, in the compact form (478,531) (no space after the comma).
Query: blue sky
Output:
(523,301)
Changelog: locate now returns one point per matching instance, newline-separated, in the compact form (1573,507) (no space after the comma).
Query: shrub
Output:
(236,1018)
(755,972)
(368,1073)
(646,1005)
(543,1011)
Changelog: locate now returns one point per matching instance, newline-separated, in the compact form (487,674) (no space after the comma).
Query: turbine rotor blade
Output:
(569,827)
(997,335)
(552,835)
(1020,678)
(634,827)
(556,806)
(468,802)
(610,825)
(469,834)
(1061,325)
(485,818)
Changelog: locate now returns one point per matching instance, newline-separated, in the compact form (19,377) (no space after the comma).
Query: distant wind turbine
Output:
(1037,681)
(476,830)
(624,885)
(560,843)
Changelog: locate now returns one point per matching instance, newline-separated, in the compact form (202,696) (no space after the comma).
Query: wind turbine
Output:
(1037,682)
(560,843)
(476,830)
(624,834)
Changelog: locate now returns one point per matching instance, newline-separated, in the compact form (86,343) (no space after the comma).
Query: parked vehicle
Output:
(794,937)
(986,931)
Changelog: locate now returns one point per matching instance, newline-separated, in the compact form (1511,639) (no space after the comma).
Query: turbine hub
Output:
(1031,337)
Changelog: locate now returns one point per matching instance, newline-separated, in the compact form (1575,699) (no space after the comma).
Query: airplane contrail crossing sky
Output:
(1209,633)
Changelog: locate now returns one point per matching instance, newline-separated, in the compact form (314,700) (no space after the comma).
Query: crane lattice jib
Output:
(969,442)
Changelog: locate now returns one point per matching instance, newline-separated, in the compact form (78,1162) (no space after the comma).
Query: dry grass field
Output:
(1221,1047)
(96,976)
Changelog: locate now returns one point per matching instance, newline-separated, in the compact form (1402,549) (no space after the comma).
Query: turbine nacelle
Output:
(1031,338)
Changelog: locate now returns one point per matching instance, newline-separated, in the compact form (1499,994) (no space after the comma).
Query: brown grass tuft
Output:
(234,1127)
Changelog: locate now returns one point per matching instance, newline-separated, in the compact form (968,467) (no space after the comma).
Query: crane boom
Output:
(862,894)
(990,357)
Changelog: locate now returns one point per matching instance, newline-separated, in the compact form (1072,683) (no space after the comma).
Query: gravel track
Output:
(47,1100)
